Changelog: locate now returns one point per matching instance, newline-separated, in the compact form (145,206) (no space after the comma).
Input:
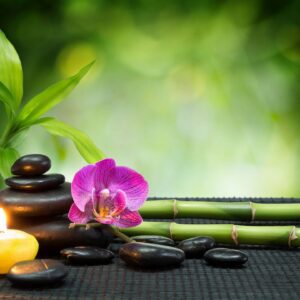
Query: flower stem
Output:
(115,230)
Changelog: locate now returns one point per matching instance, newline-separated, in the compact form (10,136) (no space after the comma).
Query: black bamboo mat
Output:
(269,274)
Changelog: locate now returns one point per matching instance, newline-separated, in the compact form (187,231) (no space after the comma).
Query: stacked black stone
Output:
(37,203)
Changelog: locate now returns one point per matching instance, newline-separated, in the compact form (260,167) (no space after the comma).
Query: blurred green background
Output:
(201,97)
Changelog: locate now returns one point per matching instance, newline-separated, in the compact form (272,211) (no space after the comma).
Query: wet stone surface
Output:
(37,183)
(85,255)
(196,247)
(54,234)
(47,203)
(115,246)
(31,165)
(224,257)
(36,273)
(146,255)
(154,239)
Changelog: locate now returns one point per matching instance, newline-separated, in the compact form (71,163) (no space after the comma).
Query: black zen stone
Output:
(197,246)
(35,184)
(154,239)
(54,234)
(115,246)
(47,203)
(85,255)
(31,165)
(36,273)
(224,257)
(146,255)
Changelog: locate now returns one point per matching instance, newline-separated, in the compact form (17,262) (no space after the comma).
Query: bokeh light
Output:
(202,97)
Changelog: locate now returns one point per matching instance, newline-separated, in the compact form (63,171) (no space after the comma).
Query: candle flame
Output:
(3,226)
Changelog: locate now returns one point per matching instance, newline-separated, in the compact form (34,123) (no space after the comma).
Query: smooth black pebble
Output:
(31,165)
(54,234)
(38,272)
(115,246)
(84,255)
(35,184)
(197,246)
(224,257)
(146,255)
(47,203)
(154,239)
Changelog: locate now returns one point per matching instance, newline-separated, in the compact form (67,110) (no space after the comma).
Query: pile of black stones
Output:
(37,203)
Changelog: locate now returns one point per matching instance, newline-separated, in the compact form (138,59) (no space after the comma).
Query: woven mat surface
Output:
(269,274)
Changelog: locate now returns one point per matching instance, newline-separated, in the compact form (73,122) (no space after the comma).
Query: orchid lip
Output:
(105,193)
(100,210)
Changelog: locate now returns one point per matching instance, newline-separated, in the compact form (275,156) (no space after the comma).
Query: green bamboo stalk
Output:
(223,233)
(244,211)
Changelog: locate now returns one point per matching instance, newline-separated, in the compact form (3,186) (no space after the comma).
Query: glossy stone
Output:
(31,165)
(47,203)
(197,246)
(225,257)
(146,255)
(85,255)
(115,247)
(154,239)
(37,272)
(54,234)
(35,184)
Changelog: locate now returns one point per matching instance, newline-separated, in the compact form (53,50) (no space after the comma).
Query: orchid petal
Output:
(82,186)
(128,218)
(103,169)
(77,216)
(132,183)
(119,202)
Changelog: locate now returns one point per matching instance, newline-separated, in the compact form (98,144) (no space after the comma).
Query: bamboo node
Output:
(234,234)
(292,236)
(175,209)
(253,211)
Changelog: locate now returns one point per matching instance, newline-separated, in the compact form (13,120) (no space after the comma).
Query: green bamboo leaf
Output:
(11,74)
(83,143)
(7,157)
(50,97)
(7,99)
(60,146)
(18,138)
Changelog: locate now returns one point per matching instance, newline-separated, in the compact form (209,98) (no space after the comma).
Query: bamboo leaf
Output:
(50,97)
(7,157)
(11,74)
(18,138)
(7,99)
(83,143)
(60,146)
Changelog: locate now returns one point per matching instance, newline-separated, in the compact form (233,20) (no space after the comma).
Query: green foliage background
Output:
(202,97)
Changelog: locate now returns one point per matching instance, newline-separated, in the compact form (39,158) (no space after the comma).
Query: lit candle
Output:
(15,245)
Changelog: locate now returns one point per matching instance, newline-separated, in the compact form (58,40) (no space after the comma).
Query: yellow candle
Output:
(15,245)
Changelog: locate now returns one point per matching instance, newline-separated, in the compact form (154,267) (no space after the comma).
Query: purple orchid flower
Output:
(108,194)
